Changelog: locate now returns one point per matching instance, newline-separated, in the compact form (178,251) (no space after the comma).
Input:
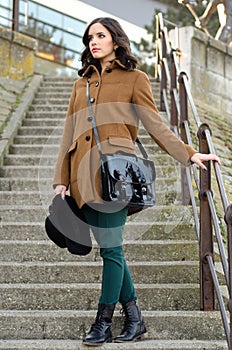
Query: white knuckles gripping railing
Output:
(176,99)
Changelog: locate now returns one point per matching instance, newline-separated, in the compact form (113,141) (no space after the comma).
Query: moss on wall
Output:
(17,54)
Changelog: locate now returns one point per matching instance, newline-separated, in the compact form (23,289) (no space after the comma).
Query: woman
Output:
(121,96)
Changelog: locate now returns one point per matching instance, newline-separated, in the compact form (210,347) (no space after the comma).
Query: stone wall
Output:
(10,96)
(16,54)
(208,63)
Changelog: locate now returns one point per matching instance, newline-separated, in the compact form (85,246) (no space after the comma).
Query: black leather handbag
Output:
(126,179)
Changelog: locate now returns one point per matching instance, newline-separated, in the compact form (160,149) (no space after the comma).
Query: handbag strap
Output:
(92,118)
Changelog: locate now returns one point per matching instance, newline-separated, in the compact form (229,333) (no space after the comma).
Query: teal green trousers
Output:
(107,228)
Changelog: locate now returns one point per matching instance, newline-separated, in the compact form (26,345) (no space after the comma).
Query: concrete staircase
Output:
(48,297)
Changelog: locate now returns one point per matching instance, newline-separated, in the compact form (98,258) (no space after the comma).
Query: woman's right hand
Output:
(60,189)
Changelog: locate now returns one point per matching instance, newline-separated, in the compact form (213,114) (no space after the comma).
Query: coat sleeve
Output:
(62,168)
(149,115)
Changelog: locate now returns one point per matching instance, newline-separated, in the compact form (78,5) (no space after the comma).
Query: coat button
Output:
(87,138)
(97,84)
(90,119)
(92,100)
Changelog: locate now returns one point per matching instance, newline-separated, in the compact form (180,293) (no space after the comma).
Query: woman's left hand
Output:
(199,158)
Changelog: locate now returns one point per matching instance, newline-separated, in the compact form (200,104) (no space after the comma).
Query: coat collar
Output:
(114,64)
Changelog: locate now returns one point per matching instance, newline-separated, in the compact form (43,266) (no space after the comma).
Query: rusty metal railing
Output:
(176,99)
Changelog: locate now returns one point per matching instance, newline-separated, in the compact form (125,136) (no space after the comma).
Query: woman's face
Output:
(100,43)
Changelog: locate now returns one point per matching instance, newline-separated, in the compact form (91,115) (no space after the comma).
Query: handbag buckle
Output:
(124,184)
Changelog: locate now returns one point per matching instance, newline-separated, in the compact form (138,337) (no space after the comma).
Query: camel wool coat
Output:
(120,99)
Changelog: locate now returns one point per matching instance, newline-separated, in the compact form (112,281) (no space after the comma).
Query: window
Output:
(5,13)
(49,16)
(6,3)
(72,42)
(74,26)
(59,36)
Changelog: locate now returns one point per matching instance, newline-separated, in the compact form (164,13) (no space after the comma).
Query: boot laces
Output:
(98,325)
(128,323)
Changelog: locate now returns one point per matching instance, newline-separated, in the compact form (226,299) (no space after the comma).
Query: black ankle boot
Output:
(100,331)
(134,327)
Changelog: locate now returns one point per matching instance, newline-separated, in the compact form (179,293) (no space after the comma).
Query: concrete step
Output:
(13,159)
(90,272)
(42,130)
(30,165)
(19,184)
(34,149)
(178,230)
(52,95)
(22,197)
(13,183)
(34,122)
(47,107)
(160,230)
(37,148)
(164,213)
(55,113)
(47,100)
(74,324)
(144,345)
(47,114)
(36,140)
(82,296)
(157,213)
(27,171)
(45,250)
(58,78)
(38,145)
(36,198)
(45,168)
(55,89)
(26,130)
(55,81)
(41,139)
(57,84)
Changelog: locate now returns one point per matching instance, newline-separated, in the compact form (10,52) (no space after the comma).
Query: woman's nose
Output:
(93,42)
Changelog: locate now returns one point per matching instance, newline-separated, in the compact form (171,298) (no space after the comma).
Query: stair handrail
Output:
(174,81)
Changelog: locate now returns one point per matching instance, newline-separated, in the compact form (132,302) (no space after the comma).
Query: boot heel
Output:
(109,340)
(143,336)
(134,328)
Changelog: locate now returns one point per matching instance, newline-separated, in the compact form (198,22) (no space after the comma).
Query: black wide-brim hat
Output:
(66,226)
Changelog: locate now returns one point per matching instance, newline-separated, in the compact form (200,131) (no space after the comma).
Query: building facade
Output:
(59,25)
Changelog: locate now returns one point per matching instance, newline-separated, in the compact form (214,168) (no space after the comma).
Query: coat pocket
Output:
(73,147)
(122,143)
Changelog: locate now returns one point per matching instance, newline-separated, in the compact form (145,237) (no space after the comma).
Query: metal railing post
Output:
(207,301)
(157,54)
(183,118)
(228,219)
(174,111)
(163,82)
(15,16)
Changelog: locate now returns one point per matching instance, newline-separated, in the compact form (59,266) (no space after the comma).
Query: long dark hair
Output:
(119,37)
